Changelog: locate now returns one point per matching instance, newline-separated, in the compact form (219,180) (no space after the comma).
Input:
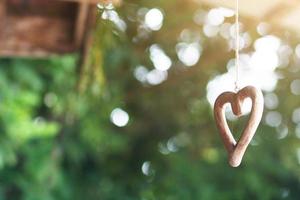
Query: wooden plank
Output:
(53,35)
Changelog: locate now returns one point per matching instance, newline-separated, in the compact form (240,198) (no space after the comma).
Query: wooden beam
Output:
(87,45)
(2,10)
(81,22)
(2,15)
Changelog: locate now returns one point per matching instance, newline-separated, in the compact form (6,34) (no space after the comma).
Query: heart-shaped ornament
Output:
(236,150)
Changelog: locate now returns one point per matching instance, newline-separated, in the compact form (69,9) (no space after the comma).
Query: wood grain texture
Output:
(52,27)
(236,150)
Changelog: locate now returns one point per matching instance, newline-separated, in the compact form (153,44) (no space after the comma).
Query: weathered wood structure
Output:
(39,28)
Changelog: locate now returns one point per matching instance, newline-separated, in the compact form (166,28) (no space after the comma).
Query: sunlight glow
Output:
(232,29)
(296,116)
(159,58)
(226,12)
(245,41)
(147,169)
(265,57)
(267,43)
(297,131)
(119,117)
(295,87)
(265,60)
(107,6)
(216,16)
(297,50)
(229,114)
(282,131)
(162,148)
(114,17)
(273,118)
(284,53)
(140,73)
(246,108)
(210,31)
(199,16)
(271,100)
(225,30)
(263,28)
(155,77)
(188,54)
(171,145)
(154,19)
(256,68)
(189,36)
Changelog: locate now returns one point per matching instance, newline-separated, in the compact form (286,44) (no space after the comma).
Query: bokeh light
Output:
(295,87)
(159,58)
(271,100)
(155,76)
(273,118)
(188,54)
(119,117)
(154,19)
(147,169)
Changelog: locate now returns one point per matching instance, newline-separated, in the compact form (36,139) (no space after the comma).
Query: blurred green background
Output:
(136,123)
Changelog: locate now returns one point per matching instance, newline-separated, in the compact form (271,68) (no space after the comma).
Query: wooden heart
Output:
(235,149)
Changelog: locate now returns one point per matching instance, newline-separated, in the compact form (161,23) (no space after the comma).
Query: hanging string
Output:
(237,45)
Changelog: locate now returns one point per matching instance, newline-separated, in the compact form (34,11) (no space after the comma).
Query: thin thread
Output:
(237,44)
